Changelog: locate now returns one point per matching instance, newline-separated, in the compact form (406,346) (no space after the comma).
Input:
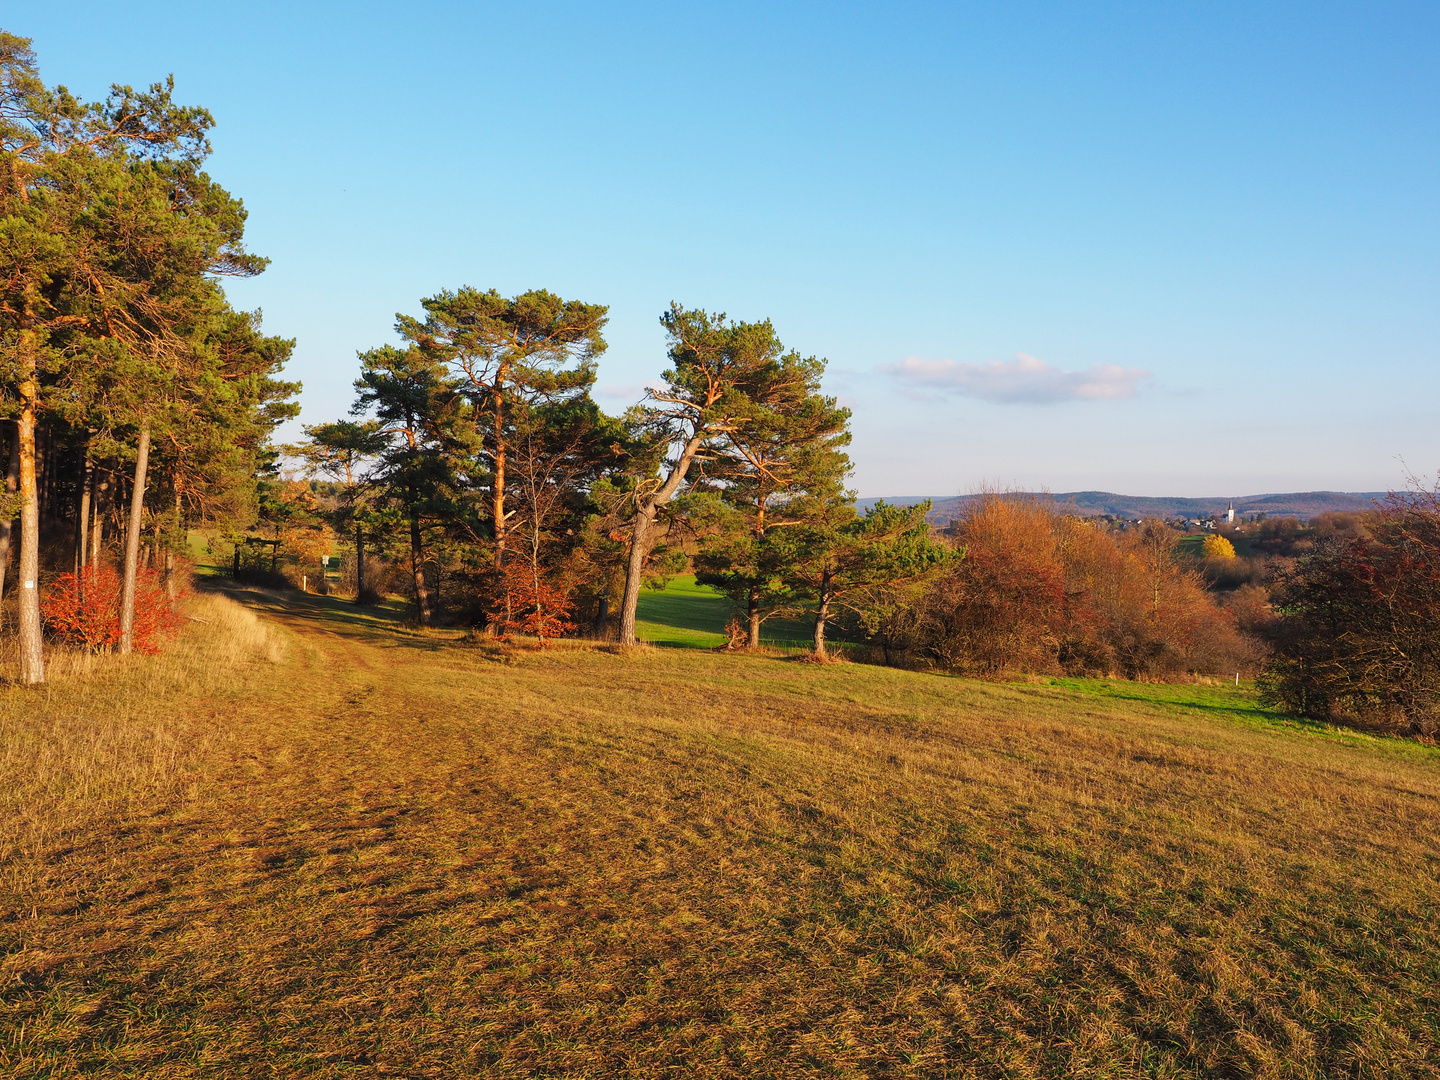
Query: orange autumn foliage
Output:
(84,610)
(1043,591)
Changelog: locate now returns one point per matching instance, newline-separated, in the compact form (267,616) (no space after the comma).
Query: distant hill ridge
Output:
(1301,504)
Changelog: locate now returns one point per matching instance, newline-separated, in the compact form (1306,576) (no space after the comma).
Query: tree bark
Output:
(132,543)
(752,610)
(82,519)
(359,565)
(179,538)
(634,570)
(97,532)
(12,485)
(32,649)
(645,511)
(497,508)
(822,613)
(417,566)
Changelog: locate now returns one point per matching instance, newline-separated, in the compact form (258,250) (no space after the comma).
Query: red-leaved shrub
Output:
(528,603)
(84,610)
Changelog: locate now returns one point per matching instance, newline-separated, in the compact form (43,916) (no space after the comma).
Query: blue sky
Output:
(1184,249)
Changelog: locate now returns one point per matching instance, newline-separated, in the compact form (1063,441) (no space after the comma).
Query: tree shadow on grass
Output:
(386,623)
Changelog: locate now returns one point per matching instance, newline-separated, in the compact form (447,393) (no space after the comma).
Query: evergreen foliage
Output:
(115,336)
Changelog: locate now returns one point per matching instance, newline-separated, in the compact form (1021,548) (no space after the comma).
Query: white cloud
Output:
(617,392)
(1024,380)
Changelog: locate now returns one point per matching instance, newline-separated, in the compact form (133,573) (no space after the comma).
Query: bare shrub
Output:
(1360,639)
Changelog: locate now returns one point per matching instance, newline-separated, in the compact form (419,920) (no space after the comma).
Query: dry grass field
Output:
(311,843)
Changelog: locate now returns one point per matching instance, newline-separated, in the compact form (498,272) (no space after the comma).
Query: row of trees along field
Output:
(477,451)
(137,400)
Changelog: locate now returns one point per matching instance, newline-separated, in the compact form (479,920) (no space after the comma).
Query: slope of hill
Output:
(1301,504)
(344,848)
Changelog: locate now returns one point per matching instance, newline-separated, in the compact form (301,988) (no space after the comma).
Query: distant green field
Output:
(691,616)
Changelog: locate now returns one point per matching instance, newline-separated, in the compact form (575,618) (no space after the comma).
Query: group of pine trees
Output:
(137,403)
(477,450)
(134,397)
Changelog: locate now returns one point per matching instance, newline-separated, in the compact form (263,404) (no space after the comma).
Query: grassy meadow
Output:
(308,841)
(690,616)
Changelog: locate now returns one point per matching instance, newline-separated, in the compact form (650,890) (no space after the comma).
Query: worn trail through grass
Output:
(341,848)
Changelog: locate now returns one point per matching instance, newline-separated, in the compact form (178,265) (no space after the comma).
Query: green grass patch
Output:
(686,615)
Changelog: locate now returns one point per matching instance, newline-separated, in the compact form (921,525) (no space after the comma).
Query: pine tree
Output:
(56,153)
(778,465)
(703,397)
(420,411)
(837,559)
(509,354)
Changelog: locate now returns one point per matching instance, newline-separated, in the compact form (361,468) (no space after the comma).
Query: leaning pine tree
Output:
(702,397)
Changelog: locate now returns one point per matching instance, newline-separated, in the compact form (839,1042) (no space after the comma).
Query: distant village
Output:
(1218,520)
(1228,520)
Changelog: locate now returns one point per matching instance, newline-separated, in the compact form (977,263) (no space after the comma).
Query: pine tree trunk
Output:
(82,519)
(32,649)
(822,613)
(497,508)
(12,485)
(97,531)
(645,511)
(417,566)
(633,571)
(132,543)
(178,538)
(753,611)
(359,565)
